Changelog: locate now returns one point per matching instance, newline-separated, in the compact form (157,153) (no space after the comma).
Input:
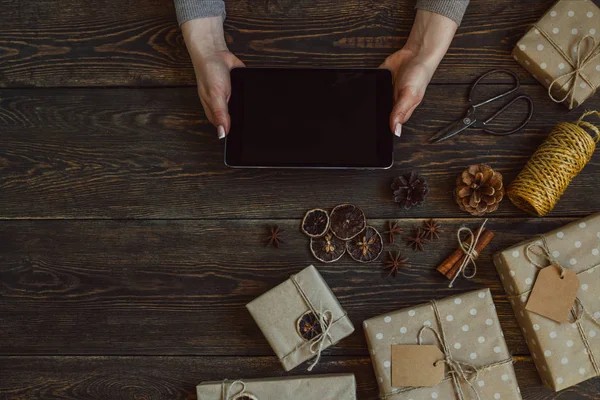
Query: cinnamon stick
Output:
(485,239)
(451,261)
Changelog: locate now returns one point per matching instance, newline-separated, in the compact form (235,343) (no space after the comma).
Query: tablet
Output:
(310,118)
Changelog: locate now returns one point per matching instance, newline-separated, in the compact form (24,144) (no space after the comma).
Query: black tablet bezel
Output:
(384,138)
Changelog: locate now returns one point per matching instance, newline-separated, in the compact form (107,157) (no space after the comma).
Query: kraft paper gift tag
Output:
(554,293)
(565,354)
(296,304)
(417,365)
(468,326)
(322,387)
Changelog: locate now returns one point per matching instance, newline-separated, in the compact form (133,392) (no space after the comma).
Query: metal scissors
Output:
(470,119)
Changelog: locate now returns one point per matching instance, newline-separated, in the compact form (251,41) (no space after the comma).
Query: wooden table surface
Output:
(128,250)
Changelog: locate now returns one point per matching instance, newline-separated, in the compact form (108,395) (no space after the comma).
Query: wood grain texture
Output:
(180,287)
(149,153)
(157,378)
(137,43)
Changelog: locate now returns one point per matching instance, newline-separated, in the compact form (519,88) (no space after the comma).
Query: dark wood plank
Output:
(130,153)
(154,378)
(133,43)
(180,287)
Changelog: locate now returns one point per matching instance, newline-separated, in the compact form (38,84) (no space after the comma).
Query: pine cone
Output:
(409,190)
(479,190)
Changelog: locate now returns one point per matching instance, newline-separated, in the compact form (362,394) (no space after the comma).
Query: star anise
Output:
(432,229)
(395,262)
(417,241)
(274,239)
(393,230)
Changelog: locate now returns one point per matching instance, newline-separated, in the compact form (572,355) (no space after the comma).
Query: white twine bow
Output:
(458,370)
(230,394)
(318,343)
(578,66)
(470,251)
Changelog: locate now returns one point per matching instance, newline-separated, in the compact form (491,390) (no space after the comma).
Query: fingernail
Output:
(221,131)
(398,131)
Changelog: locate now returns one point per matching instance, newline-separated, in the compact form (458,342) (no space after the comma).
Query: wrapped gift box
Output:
(549,50)
(560,352)
(323,387)
(473,335)
(287,313)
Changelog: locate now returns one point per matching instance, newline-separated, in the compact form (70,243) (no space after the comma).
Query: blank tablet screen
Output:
(321,118)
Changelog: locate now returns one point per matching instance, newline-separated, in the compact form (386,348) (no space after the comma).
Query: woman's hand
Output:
(212,64)
(413,66)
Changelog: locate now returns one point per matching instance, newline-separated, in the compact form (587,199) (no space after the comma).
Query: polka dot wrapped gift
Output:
(466,329)
(562,51)
(569,353)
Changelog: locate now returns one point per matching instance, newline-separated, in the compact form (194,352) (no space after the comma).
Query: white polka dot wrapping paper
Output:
(472,335)
(564,354)
(323,387)
(549,50)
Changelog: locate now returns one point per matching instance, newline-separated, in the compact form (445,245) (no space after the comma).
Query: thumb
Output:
(218,114)
(406,102)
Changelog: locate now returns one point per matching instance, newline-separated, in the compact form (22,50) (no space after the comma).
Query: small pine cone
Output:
(410,190)
(479,190)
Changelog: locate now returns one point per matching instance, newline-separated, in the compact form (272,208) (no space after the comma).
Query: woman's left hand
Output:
(411,75)
(413,66)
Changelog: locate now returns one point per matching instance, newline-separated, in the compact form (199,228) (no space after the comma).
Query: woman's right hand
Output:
(213,62)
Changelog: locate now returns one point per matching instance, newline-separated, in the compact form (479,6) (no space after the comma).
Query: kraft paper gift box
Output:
(549,50)
(300,303)
(322,387)
(564,354)
(469,325)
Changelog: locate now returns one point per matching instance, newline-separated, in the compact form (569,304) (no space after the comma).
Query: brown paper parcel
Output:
(549,50)
(473,337)
(322,387)
(277,312)
(559,351)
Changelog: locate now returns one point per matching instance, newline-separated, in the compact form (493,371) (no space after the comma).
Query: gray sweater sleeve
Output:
(453,9)
(192,9)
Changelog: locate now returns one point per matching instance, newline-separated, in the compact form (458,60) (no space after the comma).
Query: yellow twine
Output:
(547,174)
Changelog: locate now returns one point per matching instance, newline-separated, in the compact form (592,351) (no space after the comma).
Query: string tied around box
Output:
(559,159)
(578,65)
(229,393)
(326,321)
(458,371)
(578,311)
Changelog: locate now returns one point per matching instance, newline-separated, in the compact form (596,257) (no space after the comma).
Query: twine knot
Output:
(582,60)
(317,343)
(469,248)
(545,254)
(230,394)
(458,370)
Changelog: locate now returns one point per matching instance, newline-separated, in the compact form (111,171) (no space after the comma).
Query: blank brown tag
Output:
(553,296)
(413,365)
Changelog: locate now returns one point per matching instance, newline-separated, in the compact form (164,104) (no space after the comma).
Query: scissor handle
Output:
(500,111)
(494,71)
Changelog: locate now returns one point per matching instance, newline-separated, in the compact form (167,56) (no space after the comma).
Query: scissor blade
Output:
(449,131)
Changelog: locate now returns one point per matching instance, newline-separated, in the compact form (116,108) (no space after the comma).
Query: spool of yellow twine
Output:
(547,174)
